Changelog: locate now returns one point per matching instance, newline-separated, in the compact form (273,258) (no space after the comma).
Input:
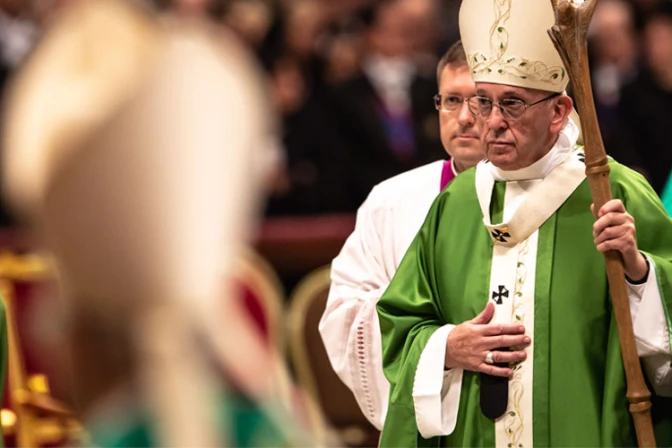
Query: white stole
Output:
(527,205)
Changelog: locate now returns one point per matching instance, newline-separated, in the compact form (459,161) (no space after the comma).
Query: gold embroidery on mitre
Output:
(519,67)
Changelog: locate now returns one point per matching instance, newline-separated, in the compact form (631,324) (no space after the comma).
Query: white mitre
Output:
(506,42)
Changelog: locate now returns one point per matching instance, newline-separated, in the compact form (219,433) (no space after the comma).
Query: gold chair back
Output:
(332,404)
(35,417)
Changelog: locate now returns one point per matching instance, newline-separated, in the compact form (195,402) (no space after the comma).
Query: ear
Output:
(561,110)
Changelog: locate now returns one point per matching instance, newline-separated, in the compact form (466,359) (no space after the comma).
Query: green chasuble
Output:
(578,382)
(667,195)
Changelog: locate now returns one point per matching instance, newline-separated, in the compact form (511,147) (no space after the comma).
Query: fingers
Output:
(505,341)
(502,357)
(486,315)
(508,357)
(611,233)
(613,206)
(612,219)
(495,371)
(498,329)
(467,347)
(615,231)
(626,245)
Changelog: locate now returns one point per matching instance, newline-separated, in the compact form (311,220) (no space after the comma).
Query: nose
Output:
(464,115)
(496,119)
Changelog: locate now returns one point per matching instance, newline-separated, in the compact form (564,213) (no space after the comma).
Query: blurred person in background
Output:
(386,224)
(293,43)
(425,17)
(645,109)
(137,168)
(384,114)
(344,44)
(643,9)
(614,59)
(342,56)
(316,162)
(249,19)
(191,8)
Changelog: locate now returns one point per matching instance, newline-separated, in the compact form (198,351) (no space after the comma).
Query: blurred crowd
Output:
(352,82)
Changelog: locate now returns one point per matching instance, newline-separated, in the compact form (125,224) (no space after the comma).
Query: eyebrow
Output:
(511,93)
(505,94)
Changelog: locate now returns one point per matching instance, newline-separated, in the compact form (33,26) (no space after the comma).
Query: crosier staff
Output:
(569,35)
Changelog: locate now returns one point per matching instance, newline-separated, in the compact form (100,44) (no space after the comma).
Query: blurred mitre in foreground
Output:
(132,146)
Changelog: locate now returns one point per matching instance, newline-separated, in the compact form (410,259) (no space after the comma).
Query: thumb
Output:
(486,315)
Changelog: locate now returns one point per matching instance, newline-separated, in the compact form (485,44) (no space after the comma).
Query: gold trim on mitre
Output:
(506,42)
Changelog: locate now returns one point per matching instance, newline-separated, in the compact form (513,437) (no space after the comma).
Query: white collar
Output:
(541,168)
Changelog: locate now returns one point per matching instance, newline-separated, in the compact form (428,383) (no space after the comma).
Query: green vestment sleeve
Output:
(408,317)
(653,224)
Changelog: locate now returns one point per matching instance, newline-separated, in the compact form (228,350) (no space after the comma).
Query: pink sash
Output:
(447,174)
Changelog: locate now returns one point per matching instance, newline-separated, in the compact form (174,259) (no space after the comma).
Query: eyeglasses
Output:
(448,103)
(510,108)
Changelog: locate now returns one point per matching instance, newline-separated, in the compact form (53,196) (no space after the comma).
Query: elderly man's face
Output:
(515,144)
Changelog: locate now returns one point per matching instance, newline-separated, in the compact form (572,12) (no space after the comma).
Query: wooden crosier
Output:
(569,35)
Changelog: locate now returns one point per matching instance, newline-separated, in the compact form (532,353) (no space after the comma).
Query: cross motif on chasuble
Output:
(501,235)
(499,295)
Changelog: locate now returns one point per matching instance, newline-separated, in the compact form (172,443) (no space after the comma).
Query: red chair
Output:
(262,294)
